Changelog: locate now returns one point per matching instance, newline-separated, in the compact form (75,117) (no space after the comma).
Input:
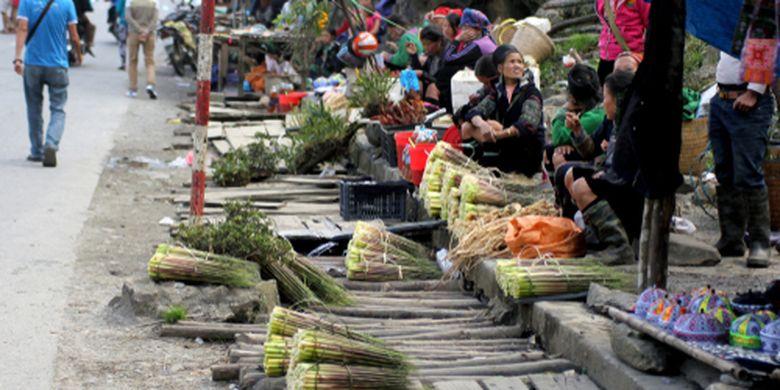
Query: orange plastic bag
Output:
(532,237)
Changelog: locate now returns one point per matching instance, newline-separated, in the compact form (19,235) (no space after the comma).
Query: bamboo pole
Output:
(555,365)
(721,365)
(654,242)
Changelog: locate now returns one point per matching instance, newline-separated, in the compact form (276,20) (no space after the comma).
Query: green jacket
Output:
(401,57)
(590,120)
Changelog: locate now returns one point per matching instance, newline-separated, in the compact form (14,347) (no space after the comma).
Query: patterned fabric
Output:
(646,299)
(670,316)
(699,327)
(724,315)
(476,19)
(756,38)
(708,303)
(657,310)
(770,337)
(745,332)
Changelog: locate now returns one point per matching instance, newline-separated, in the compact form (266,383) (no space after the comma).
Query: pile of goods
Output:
(546,277)
(410,110)
(370,92)
(485,237)
(455,187)
(254,162)
(182,264)
(376,255)
(246,233)
(322,136)
(709,318)
(317,354)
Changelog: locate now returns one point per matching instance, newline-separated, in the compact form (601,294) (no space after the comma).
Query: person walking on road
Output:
(141,16)
(45,63)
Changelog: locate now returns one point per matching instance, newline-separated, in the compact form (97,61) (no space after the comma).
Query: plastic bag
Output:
(533,237)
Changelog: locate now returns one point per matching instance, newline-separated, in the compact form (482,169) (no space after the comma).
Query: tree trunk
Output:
(654,242)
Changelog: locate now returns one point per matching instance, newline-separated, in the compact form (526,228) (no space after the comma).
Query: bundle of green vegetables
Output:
(286,323)
(322,136)
(181,264)
(246,233)
(536,278)
(480,190)
(254,162)
(315,346)
(374,254)
(277,351)
(453,206)
(317,376)
(469,211)
(450,181)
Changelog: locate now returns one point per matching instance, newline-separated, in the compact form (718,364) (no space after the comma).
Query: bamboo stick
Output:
(399,313)
(225,372)
(555,365)
(505,359)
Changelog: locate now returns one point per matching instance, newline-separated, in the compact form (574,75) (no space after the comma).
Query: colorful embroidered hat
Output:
(646,299)
(745,331)
(656,310)
(766,316)
(770,337)
(708,303)
(682,298)
(724,315)
(750,302)
(670,315)
(700,327)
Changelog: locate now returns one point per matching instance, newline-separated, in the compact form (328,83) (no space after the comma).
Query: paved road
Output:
(42,210)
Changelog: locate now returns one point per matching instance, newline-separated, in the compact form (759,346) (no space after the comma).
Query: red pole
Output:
(205,43)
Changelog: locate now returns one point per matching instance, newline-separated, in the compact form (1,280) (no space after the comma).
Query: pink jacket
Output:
(632,17)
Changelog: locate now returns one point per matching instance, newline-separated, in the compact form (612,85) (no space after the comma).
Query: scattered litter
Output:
(139,162)
(179,162)
(167,221)
(683,225)
(443,260)
(579,220)
(190,157)
(174,121)
(199,341)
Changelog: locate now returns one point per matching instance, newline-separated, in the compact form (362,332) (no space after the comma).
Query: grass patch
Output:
(174,314)
(552,68)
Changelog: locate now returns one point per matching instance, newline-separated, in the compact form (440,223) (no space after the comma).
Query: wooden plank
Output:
(561,382)
(457,385)
(504,383)
(215,132)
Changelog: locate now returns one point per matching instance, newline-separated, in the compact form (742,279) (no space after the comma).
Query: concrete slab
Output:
(568,329)
(504,383)
(457,385)
(561,382)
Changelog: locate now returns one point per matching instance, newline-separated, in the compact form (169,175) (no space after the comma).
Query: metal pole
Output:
(205,43)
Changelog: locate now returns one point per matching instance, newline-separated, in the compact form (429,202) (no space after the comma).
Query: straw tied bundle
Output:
(322,355)
(544,277)
(484,237)
(377,255)
(187,265)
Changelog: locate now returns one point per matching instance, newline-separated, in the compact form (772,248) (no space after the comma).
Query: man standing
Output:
(45,64)
(740,116)
(141,18)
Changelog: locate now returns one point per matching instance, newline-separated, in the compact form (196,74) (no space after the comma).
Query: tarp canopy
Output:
(715,22)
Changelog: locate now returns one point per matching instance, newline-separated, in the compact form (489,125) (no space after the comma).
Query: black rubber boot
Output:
(605,224)
(758,227)
(732,214)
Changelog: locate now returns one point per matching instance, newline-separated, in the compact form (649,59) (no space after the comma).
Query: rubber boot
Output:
(758,227)
(605,224)
(732,215)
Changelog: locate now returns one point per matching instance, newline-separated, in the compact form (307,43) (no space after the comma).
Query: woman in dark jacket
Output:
(510,122)
(472,42)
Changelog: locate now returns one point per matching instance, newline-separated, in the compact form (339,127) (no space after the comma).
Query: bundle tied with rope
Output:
(520,278)
(376,255)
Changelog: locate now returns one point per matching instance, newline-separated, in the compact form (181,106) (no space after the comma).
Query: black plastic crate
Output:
(366,200)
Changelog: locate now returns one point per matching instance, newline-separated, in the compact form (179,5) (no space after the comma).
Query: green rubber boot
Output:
(732,215)
(758,227)
(607,227)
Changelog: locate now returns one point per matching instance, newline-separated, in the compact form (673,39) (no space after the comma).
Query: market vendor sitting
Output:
(584,96)
(427,64)
(487,74)
(611,207)
(397,40)
(509,123)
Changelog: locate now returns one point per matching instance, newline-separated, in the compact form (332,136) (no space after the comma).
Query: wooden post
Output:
(654,242)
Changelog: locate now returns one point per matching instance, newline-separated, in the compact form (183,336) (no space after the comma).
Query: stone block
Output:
(687,251)
(639,351)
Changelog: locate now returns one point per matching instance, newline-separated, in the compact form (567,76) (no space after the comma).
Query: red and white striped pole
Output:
(205,44)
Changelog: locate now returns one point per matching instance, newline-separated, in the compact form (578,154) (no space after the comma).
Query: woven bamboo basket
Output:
(694,143)
(772,177)
(533,42)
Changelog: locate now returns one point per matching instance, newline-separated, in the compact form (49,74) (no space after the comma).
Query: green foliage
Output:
(321,134)
(305,21)
(699,63)
(371,91)
(553,70)
(174,314)
(246,233)
(240,167)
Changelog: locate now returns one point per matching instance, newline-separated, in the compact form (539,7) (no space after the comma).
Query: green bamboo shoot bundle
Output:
(314,346)
(180,264)
(535,278)
(470,211)
(450,180)
(318,281)
(287,323)
(315,376)
(453,205)
(478,190)
(375,235)
(277,351)
(386,272)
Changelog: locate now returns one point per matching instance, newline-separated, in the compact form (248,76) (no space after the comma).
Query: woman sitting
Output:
(610,205)
(472,42)
(509,122)
(428,64)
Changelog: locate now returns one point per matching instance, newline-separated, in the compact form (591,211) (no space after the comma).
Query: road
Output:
(42,211)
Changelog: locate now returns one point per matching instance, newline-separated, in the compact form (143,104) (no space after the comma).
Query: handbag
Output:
(34,27)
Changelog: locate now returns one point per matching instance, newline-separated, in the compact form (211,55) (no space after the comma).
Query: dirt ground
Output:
(97,350)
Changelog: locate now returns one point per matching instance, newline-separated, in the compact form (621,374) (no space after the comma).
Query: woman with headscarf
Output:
(471,43)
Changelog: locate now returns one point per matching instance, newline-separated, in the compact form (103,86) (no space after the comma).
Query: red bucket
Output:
(289,100)
(402,139)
